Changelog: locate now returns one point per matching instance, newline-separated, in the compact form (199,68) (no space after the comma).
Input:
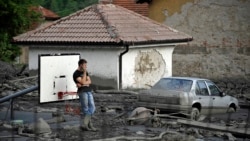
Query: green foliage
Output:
(65,7)
(15,18)
(8,52)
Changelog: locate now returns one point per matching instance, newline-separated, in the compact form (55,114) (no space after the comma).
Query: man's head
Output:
(82,63)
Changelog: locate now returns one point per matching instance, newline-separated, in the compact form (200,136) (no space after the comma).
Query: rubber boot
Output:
(91,127)
(85,123)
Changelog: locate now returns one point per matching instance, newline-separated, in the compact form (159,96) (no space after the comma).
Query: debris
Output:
(40,127)
(134,138)
(17,123)
(56,120)
(140,115)
(213,127)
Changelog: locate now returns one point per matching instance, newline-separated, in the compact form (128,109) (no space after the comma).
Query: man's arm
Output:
(84,81)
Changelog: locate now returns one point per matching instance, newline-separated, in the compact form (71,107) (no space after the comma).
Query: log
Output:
(244,132)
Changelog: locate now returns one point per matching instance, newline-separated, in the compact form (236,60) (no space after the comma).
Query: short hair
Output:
(81,61)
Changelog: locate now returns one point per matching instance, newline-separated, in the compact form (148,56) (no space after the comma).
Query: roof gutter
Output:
(157,45)
(120,66)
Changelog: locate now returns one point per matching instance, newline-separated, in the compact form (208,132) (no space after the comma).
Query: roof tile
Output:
(103,23)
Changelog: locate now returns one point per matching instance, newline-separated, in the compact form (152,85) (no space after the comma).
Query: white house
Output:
(123,49)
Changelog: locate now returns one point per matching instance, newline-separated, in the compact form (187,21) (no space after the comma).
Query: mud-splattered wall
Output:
(148,66)
(142,67)
(221,46)
(221,23)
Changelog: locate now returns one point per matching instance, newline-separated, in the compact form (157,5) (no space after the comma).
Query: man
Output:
(83,81)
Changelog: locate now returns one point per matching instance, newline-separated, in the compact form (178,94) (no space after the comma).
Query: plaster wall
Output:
(142,67)
(102,63)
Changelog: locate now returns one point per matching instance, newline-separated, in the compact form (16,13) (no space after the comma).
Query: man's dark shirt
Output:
(77,74)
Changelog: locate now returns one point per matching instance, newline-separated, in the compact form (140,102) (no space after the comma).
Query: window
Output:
(173,84)
(213,89)
(201,88)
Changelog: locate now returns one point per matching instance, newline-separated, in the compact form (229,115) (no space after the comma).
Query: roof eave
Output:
(64,43)
(173,41)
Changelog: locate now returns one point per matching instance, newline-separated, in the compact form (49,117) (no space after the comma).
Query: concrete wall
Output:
(221,46)
(142,67)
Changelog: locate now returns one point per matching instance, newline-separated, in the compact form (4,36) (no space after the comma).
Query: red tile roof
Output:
(103,23)
(47,14)
(132,5)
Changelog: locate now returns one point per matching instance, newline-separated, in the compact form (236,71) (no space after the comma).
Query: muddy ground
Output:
(56,121)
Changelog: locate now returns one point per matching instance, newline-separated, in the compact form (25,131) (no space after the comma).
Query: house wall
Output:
(24,57)
(102,62)
(221,46)
(142,67)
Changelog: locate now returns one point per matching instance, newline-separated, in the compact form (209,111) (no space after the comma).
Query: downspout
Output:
(120,66)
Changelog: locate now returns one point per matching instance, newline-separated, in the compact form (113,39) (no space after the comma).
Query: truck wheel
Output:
(195,114)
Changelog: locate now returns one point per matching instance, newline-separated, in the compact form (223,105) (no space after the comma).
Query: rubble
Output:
(115,112)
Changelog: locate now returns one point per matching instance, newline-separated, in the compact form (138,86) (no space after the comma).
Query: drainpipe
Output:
(120,66)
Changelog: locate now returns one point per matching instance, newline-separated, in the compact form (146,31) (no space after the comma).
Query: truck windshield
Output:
(173,84)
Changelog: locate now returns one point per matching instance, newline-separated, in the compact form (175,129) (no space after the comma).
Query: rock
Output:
(139,133)
(230,137)
(140,115)
(40,127)
(242,124)
(7,126)
(111,111)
